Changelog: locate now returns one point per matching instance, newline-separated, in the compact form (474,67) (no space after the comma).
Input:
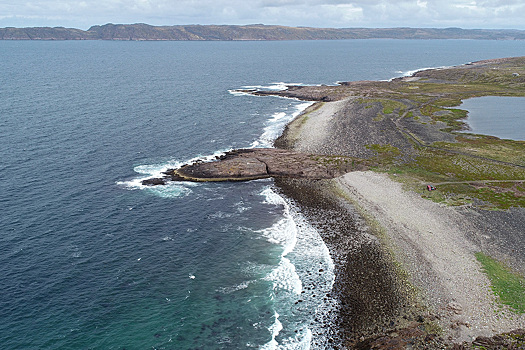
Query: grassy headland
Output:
(419,120)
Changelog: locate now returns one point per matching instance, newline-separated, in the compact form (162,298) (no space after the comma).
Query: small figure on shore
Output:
(430,188)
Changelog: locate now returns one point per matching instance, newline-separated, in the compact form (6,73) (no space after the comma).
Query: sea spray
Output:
(409,73)
(273,127)
(84,129)
(294,307)
(302,252)
(276,124)
(157,170)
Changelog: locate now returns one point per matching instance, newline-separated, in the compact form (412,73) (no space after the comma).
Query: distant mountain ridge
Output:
(141,31)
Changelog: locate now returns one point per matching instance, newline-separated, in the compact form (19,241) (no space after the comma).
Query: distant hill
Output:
(248,32)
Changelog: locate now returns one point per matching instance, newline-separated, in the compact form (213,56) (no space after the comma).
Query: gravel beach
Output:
(403,263)
(432,243)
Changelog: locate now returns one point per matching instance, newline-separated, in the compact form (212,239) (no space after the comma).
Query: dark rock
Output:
(251,164)
(154,182)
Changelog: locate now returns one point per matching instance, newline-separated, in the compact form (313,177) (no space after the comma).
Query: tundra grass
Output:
(488,146)
(506,284)
(459,179)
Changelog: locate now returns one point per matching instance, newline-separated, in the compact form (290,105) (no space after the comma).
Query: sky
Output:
(469,14)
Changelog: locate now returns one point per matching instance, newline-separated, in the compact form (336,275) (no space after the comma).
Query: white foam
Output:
(241,207)
(220,215)
(240,286)
(284,232)
(277,122)
(239,93)
(171,189)
(304,252)
(409,73)
(280,86)
(271,197)
(274,329)
(284,277)
(301,341)
(275,126)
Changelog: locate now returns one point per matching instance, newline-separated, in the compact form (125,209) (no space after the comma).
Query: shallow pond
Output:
(503,117)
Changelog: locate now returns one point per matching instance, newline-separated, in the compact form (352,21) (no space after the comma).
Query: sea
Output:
(91,259)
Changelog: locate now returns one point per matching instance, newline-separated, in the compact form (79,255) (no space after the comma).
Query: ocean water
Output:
(503,117)
(90,259)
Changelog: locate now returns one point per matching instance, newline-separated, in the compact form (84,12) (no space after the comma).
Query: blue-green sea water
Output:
(90,259)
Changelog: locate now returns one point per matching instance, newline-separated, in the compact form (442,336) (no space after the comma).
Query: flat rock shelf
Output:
(260,163)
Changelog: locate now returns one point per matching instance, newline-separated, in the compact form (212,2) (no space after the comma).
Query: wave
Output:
(301,341)
(276,124)
(241,286)
(302,248)
(409,73)
(245,90)
(172,189)
(278,86)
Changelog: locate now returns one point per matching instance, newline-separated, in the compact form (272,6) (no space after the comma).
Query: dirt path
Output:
(476,182)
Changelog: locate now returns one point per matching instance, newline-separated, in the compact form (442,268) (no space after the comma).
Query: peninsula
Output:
(414,268)
(141,31)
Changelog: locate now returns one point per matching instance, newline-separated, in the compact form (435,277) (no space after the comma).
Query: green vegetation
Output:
(389,105)
(488,146)
(460,179)
(465,170)
(507,285)
(386,155)
(453,118)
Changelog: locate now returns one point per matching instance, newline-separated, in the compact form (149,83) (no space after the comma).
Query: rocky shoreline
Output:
(406,276)
(406,268)
(261,163)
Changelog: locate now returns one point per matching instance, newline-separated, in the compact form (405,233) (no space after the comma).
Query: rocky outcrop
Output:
(260,163)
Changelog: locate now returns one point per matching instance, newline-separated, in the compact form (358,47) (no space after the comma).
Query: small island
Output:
(424,220)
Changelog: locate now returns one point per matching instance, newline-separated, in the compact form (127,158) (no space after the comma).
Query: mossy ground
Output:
(465,169)
(458,179)
(507,285)
(424,110)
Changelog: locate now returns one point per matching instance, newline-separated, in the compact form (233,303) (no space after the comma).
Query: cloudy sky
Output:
(315,13)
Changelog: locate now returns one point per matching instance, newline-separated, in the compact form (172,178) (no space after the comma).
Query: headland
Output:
(424,222)
(414,274)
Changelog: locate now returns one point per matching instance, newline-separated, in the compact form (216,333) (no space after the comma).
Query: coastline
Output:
(406,272)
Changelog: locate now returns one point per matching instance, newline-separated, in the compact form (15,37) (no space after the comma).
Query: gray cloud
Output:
(317,13)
